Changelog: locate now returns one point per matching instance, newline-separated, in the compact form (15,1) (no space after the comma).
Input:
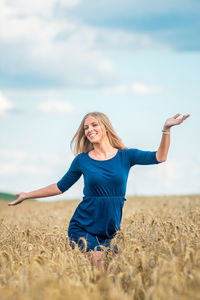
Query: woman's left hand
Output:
(174,121)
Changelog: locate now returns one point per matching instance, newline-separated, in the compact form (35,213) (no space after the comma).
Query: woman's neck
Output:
(103,150)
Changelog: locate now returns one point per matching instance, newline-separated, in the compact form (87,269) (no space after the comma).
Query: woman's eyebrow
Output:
(91,123)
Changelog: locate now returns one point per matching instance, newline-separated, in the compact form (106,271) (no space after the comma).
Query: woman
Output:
(105,163)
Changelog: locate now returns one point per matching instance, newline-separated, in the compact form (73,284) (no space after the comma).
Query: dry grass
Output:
(159,253)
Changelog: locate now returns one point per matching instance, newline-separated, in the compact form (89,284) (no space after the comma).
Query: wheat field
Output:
(159,253)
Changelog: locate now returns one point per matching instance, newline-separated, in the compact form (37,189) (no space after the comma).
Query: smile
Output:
(92,135)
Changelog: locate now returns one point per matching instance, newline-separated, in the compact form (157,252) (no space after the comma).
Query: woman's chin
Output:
(95,141)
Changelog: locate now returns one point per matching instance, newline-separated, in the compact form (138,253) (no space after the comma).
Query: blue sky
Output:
(136,62)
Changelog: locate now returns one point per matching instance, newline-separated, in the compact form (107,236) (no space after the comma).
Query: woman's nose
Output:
(90,129)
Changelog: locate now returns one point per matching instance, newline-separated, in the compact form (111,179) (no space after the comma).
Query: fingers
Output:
(15,202)
(176,116)
(19,199)
(12,203)
(185,116)
(175,120)
(181,119)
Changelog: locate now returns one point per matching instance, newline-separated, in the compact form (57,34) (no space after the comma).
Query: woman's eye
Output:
(91,125)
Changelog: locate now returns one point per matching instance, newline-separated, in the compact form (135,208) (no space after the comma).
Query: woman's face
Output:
(93,130)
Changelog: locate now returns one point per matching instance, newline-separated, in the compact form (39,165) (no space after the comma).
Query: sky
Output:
(137,62)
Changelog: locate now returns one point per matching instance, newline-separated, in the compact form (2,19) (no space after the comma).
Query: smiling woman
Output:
(95,127)
(104,162)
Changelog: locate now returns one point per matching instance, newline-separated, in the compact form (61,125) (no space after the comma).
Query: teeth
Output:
(91,135)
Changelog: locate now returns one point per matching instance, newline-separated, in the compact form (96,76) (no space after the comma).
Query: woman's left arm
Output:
(161,154)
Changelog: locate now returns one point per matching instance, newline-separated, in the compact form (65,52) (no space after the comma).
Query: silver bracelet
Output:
(165,132)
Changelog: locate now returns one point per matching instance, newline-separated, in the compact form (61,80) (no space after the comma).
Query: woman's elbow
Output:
(58,190)
(160,158)
(163,160)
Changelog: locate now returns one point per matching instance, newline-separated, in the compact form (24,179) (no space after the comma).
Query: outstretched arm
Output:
(72,175)
(50,190)
(161,154)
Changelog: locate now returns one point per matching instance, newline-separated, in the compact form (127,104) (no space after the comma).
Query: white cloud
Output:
(15,155)
(173,178)
(16,162)
(56,106)
(69,3)
(44,7)
(136,88)
(166,178)
(119,39)
(142,89)
(16,168)
(20,156)
(52,49)
(60,51)
(5,105)
(8,168)
(116,90)
(169,172)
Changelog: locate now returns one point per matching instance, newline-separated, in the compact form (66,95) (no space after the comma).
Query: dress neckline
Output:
(103,159)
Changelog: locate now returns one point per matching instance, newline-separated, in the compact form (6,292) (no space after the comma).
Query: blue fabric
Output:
(98,216)
(93,242)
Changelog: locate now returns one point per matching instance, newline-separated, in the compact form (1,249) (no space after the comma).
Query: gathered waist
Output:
(104,197)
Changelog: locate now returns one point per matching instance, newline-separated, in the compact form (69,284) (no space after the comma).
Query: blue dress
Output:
(98,216)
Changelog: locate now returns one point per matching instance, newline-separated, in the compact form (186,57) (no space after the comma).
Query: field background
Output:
(159,253)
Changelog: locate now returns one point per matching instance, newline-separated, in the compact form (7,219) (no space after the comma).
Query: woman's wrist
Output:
(166,132)
(25,196)
(166,129)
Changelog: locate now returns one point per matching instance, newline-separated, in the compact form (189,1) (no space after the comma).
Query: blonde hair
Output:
(82,144)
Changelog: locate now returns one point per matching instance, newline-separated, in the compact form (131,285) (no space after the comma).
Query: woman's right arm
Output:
(72,175)
(50,190)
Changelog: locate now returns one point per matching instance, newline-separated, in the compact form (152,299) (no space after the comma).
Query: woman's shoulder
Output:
(77,158)
(81,155)
(128,150)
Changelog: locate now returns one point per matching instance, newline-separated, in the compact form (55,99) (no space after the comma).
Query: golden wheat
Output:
(159,253)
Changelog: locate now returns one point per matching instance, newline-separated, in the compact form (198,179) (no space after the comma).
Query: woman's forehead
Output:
(89,120)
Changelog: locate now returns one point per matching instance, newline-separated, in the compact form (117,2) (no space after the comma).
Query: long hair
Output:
(82,144)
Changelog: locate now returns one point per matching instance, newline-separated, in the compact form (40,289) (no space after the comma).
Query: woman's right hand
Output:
(21,198)
(47,191)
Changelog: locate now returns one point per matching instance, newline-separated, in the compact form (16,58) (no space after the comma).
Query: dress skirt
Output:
(96,219)
(88,242)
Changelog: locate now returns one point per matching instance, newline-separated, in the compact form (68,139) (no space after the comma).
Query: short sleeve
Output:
(140,157)
(72,175)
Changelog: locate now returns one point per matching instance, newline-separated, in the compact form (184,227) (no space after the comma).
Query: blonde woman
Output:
(104,162)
